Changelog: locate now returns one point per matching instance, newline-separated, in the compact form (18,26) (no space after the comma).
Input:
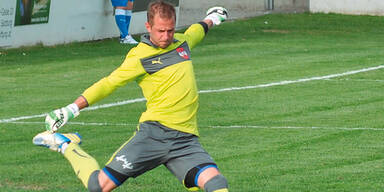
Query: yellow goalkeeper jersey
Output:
(166,78)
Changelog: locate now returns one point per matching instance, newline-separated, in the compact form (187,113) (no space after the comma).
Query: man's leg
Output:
(86,167)
(120,7)
(136,156)
(128,13)
(121,21)
(88,170)
(99,181)
(194,167)
(128,39)
(212,181)
(82,163)
(206,176)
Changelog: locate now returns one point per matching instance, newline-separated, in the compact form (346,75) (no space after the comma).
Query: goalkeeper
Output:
(167,133)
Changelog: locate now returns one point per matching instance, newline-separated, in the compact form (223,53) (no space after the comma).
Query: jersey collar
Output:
(145,39)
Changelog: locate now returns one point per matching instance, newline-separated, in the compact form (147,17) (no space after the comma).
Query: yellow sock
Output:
(82,163)
(221,190)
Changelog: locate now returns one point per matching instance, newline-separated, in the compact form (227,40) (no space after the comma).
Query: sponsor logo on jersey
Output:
(157,61)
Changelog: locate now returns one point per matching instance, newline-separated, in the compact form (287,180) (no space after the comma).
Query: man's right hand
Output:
(59,117)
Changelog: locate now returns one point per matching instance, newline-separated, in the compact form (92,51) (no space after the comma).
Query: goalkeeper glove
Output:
(217,15)
(59,117)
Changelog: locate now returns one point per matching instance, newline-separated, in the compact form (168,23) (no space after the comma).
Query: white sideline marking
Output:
(294,81)
(357,80)
(212,91)
(76,123)
(22,118)
(113,104)
(214,127)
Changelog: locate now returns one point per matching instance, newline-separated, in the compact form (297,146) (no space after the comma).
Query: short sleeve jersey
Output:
(166,78)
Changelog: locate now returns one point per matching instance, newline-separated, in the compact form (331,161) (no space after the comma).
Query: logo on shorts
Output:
(182,53)
(126,164)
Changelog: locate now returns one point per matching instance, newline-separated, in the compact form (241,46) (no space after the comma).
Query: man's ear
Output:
(148,26)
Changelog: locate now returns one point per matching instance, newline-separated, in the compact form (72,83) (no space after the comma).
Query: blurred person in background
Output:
(123,14)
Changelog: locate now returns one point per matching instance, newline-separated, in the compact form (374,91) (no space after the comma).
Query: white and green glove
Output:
(217,15)
(59,117)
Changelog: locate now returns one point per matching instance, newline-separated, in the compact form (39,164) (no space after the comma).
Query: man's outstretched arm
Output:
(81,102)
(215,16)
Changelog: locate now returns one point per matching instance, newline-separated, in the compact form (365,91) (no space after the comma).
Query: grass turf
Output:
(295,137)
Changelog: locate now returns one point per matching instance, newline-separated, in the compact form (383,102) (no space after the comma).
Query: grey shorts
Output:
(152,145)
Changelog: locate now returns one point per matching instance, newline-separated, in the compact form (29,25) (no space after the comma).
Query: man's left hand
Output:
(59,117)
(217,15)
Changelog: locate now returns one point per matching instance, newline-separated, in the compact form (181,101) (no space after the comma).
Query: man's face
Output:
(161,32)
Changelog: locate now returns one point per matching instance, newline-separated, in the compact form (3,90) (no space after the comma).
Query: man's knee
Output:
(216,184)
(93,182)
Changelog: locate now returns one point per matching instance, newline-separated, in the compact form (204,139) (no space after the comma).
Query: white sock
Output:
(63,147)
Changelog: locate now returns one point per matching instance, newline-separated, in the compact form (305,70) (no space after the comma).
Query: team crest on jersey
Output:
(182,53)
(158,62)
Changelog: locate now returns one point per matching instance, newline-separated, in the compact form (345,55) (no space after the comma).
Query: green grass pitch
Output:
(272,131)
